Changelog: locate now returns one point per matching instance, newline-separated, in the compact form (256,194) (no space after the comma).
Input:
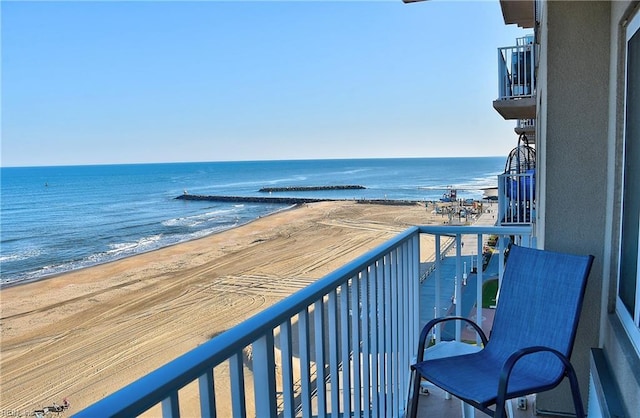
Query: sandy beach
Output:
(85,334)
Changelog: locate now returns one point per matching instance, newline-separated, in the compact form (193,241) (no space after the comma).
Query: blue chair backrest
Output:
(539,304)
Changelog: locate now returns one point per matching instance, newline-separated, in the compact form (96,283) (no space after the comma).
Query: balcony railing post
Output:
(377,326)
(170,406)
(207,395)
(438,279)
(386,326)
(264,379)
(236,372)
(392,361)
(479,283)
(345,340)
(532,67)
(379,388)
(305,363)
(358,335)
(415,292)
(501,262)
(368,334)
(458,285)
(334,358)
(321,387)
(406,321)
(286,350)
(503,76)
(502,197)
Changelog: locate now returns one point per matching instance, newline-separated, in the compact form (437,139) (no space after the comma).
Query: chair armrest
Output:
(427,328)
(507,368)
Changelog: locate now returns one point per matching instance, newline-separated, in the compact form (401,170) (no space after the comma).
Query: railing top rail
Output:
(466,230)
(512,48)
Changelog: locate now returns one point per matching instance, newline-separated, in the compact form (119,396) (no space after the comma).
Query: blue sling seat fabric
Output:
(531,339)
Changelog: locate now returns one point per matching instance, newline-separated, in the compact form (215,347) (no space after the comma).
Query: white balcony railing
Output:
(360,323)
(526,124)
(516,198)
(516,70)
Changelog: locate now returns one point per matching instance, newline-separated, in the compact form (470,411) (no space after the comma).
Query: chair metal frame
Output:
(502,393)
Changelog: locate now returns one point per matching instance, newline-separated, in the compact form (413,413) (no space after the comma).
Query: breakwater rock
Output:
(309,188)
(289,200)
(252,199)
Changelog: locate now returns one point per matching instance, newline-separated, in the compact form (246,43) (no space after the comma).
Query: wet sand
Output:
(85,334)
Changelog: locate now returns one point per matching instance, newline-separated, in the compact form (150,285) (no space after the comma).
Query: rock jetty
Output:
(288,200)
(252,199)
(309,188)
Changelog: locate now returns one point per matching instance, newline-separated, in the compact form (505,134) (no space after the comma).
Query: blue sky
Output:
(133,82)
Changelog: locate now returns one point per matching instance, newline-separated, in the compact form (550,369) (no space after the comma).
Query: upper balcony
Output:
(528,128)
(519,12)
(516,80)
(516,192)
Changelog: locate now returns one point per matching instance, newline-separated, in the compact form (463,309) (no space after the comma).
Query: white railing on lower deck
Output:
(360,323)
(516,198)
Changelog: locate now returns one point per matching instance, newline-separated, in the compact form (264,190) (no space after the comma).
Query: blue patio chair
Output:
(530,342)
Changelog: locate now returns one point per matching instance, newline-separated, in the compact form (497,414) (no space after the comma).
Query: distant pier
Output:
(310,188)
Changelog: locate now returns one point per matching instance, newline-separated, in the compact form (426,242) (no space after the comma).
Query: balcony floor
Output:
(435,405)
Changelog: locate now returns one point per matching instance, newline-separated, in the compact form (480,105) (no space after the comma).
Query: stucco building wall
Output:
(573,150)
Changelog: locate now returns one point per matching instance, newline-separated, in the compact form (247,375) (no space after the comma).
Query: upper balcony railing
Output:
(527,127)
(516,80)
(340,347)
(516,198)
(516,69)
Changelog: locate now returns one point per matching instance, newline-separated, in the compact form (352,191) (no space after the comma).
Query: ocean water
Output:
(58,219)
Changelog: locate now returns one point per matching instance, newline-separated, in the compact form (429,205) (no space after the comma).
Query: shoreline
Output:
(86,333)
(54,275)
(290,200)
(292,206)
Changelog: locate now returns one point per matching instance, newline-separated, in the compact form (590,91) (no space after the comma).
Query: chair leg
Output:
(468,411)
(501,412)
(414,393)
(575,392)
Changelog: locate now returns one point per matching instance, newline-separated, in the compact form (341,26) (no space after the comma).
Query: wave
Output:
(20,256)
(134,247)
(115,252)
(199,219)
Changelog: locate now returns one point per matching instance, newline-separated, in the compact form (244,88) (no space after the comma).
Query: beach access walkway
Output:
(448,278)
